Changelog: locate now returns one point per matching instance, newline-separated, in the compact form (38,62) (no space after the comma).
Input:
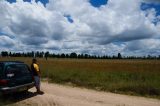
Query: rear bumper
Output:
(17,88)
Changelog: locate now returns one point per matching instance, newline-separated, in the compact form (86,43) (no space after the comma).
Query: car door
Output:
(18,74)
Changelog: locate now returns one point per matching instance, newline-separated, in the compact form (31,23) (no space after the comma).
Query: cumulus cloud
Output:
(6,41)
(144,47)
(108,29)
(32,21)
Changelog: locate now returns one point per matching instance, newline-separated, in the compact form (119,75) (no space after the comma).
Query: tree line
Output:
(71,55)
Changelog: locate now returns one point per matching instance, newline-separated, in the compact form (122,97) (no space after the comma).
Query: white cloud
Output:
(6,41)
(144,47)
(151,1)
(28,20)
(94,30)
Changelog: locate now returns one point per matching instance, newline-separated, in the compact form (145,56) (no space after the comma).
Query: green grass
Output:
(133,83)
(132,77)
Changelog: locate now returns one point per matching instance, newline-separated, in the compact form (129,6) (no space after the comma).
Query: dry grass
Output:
(93,65)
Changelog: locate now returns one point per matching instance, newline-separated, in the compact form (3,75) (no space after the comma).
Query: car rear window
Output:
(18,69)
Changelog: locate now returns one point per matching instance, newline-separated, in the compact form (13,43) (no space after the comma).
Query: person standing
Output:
(36,74)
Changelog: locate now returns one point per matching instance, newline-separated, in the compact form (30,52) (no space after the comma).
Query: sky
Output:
(96,27)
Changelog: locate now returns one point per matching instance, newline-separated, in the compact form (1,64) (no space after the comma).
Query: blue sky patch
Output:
(42,1)
(11,1)
(98,3)
(1,33)
(69,18)
(27,0)
(95,3)
(145,6)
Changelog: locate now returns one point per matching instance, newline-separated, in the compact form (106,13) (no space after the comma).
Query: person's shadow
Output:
(15,97)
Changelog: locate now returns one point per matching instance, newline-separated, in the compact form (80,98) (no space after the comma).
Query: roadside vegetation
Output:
(132,77)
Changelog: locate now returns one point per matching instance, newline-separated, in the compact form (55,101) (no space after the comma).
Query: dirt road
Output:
(58,95)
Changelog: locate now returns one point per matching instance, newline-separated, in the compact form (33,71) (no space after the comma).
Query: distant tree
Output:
(32,54)
(119,56)
(46,55)
(81,56)
(10,54)
(63,55)
(144,57)
(95,57)
(58,55)
(22,54)
(73,55)
(25,54)
(90,56)
(18,54)
(67,55)
(149,57)
(114,57)
(37,54)
(86,56)
(4,53)
(41,54)
(53,55)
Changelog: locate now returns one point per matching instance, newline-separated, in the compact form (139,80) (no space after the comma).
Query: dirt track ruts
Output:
(59,95)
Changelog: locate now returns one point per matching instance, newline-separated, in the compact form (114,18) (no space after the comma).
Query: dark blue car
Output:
(15,76)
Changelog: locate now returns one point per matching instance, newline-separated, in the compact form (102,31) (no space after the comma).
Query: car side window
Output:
(23,69)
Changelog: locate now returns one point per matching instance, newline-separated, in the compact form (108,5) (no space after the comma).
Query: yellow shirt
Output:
(36,67)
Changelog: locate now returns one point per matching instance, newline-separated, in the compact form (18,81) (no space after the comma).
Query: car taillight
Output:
(3,82)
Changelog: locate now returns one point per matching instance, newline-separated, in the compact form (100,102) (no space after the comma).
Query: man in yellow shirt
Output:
(36,74)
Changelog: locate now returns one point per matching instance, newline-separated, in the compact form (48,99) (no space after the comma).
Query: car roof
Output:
(11,62)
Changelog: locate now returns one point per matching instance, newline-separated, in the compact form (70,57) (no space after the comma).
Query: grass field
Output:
(133,77)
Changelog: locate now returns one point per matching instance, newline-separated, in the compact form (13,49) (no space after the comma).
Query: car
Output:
(15,76)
